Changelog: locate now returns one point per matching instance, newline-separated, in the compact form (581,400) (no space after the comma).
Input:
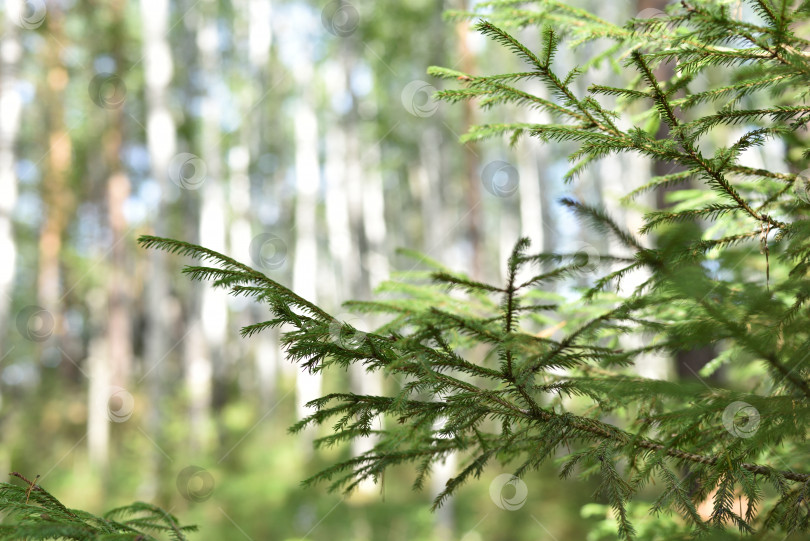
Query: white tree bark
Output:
(205,365)
(254,29)
(627,173)
(98,423)
(343,249)
(98,393)
(435,230)
(10,107)
(161,142)
(532,159)
(305,265)
(376,259)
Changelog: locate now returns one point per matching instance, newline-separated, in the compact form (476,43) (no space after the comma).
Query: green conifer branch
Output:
(509,404)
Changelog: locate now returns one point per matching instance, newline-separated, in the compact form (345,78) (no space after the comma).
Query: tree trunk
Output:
(532,158)
(342,248)
(428,187)
(119,334)
(56,194)
(305,266)
(260,36)
(374,257)
(11,52)
(687,363)
(161,142)
(205,372)
(10,105)
(472,178)
(110,367)
(374,228)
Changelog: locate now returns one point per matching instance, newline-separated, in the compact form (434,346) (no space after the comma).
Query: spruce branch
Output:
(531,395)
(612,433)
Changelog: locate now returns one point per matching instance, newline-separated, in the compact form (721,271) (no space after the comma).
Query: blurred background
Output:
(298,137)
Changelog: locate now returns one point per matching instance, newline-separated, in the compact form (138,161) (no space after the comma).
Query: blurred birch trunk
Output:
(10,106)
(204,359)
(254,29)
(161,141)
(11,52)
(110,364)
(305,264)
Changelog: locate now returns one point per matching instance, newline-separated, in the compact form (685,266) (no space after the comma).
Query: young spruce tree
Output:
(740,286)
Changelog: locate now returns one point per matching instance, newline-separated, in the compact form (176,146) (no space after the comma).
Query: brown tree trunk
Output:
(57,197)
(118,189)
(472,188)
(687,363)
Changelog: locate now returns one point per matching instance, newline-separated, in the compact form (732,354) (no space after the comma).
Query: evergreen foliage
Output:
(36,514)
(741,287)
